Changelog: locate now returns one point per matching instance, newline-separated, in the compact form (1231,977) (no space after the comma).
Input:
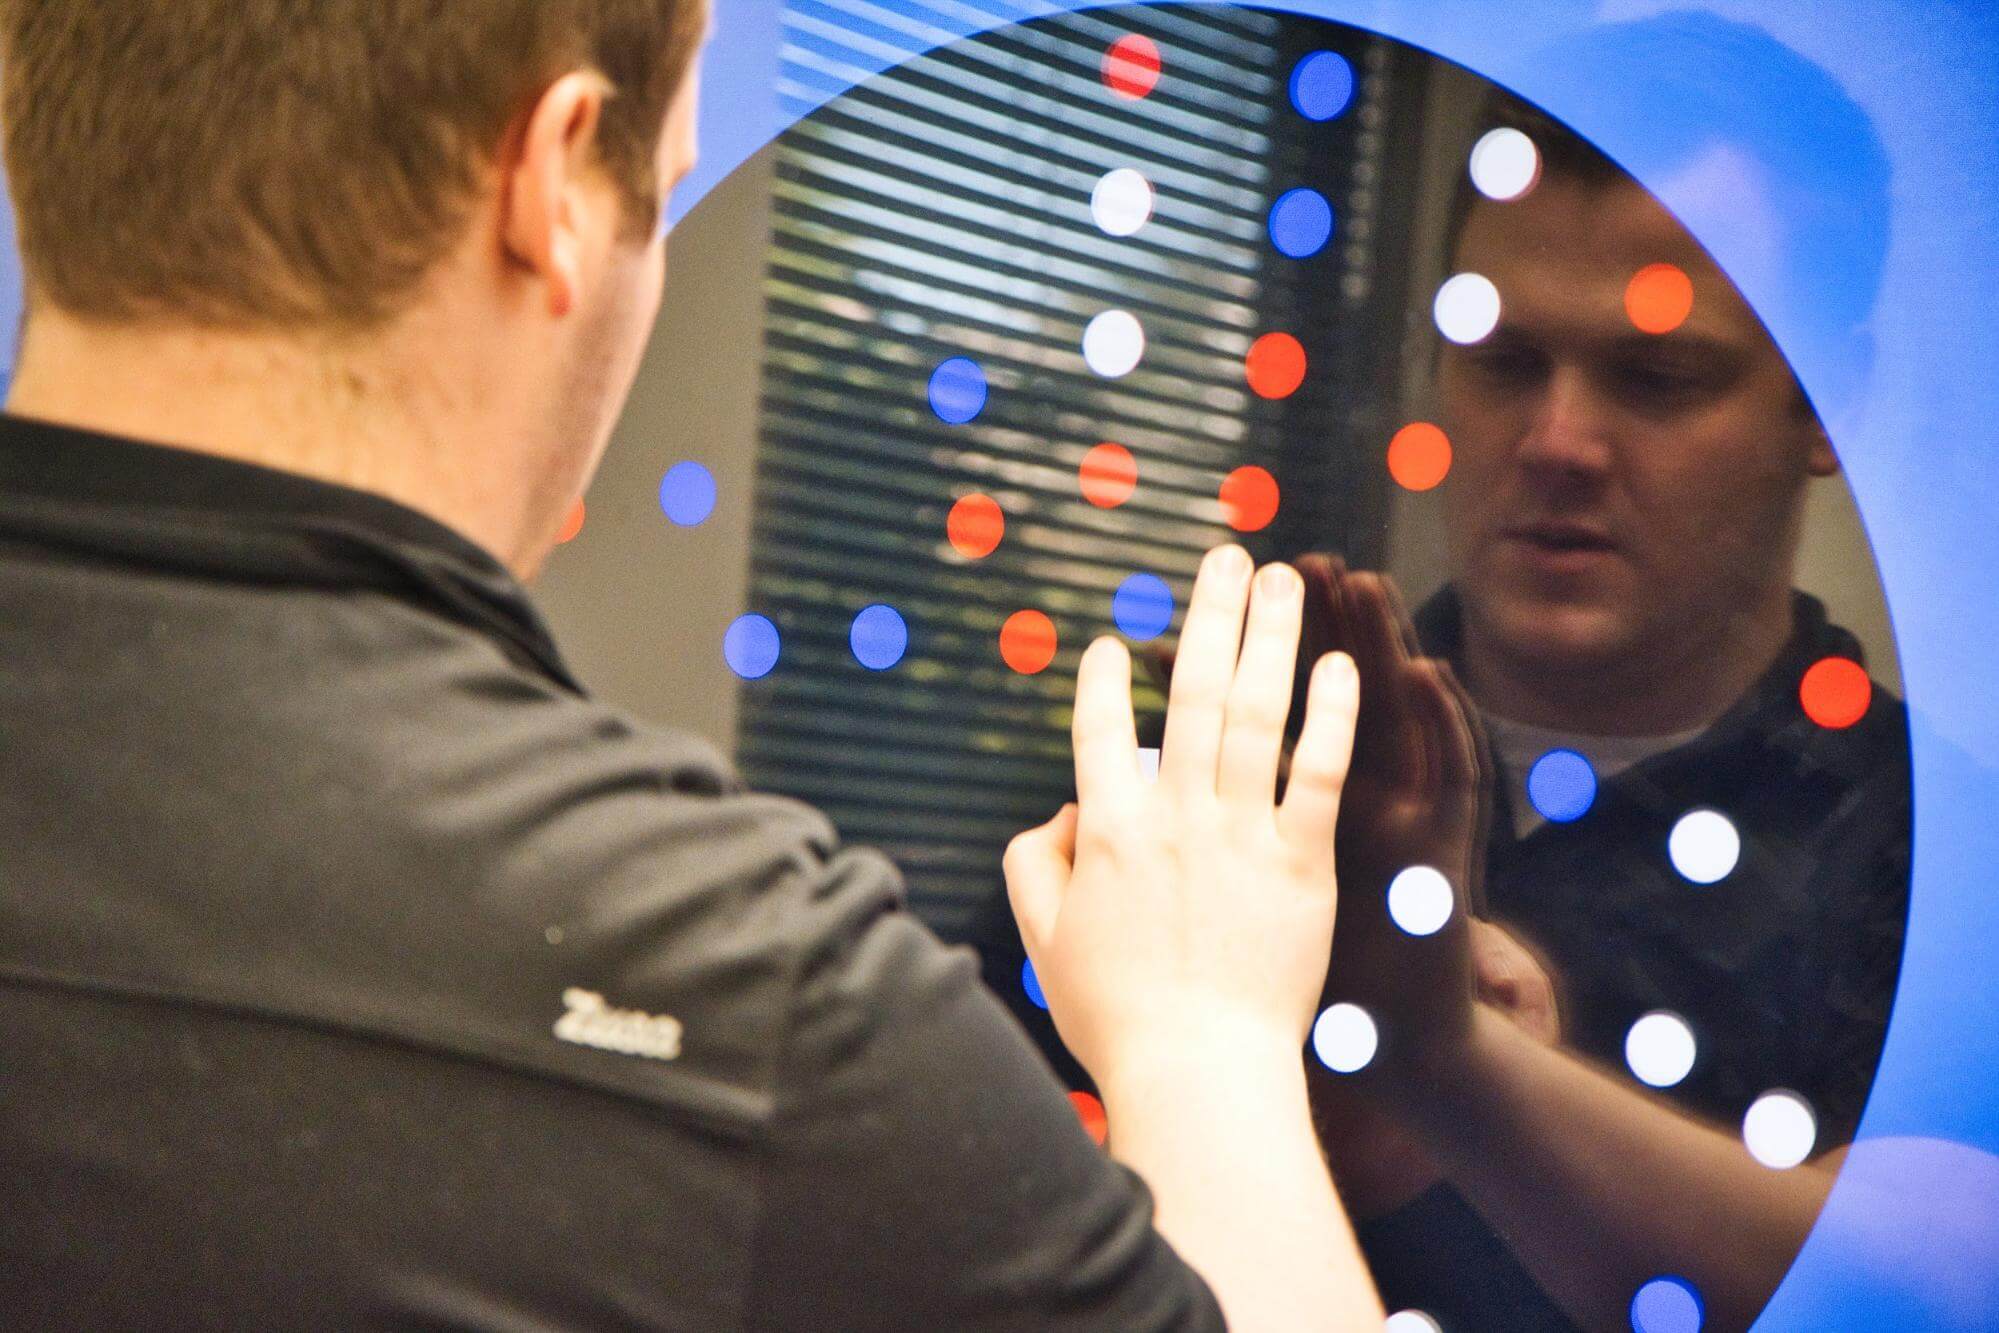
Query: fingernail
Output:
(1278,580)
(1231,562)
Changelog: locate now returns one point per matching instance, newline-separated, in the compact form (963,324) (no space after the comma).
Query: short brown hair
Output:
(288,163)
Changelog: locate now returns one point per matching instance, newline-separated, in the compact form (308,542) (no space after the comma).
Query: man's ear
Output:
(550,189)
(1823,462)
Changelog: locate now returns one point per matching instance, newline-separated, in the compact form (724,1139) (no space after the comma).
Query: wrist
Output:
(1437,1078)
(1186,1066)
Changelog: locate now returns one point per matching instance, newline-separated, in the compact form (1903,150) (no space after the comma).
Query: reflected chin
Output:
(1559,637)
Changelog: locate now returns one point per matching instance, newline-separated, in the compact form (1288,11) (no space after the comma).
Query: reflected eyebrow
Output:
(1681,343)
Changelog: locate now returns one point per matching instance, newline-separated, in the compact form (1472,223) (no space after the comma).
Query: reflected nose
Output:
(1568,432)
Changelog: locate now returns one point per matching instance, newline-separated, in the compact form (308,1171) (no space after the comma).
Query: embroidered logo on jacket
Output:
(592,1022)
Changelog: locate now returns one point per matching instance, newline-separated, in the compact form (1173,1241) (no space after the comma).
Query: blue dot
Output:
(1301,222)
(750,647)
(1562,786)
(879,637)
(1667,1305)
(958,390)
(1322,85)
(1032,984)
(687,494)
(1143,606)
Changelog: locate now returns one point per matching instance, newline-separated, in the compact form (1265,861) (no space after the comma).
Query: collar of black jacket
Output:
(166,506)
(1770,713)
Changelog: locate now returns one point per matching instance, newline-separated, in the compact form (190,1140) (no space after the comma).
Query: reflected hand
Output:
(1418,794)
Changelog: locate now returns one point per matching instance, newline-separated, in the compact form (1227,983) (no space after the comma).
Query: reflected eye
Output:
(1658,383)
(1507,366)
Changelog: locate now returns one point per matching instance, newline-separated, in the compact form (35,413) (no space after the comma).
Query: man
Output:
(356,968)
(1624,510)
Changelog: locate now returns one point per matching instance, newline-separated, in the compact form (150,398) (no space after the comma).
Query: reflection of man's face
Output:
(1616,495)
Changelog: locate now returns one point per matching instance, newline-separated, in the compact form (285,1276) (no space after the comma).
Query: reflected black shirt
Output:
(359,970)
(1785,969)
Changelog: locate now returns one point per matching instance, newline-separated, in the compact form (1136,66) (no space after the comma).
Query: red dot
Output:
(1091,1112)
(573,526)
(975,526)
(1027,642)
(1131,66)
(1276,365)
(1659,298)
(1419,457)
(1110,475)
(1249,499)
(1836,692)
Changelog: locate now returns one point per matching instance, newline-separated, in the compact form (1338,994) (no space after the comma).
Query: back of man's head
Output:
(287,164)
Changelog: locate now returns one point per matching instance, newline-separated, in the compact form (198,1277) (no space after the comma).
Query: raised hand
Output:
(1170,915)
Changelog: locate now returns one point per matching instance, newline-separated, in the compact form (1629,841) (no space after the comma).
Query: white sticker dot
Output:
(1467,308)
(1114,343)
(1411,1321)
(1780,1129)
(1505,164)
(1704,846)
(1660,1049)
(1420,900)
(1122,202)
(1345,1038)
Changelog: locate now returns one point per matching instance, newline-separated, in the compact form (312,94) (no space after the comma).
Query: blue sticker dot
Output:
(879,637)
(750,647)
(1667,1305)
(1143,606)
(687,494)
(1032,984)
(958,390)
(1301,222)
(1562,786)
(1322,85)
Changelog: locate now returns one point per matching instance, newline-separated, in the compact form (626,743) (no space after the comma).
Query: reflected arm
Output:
(1600,1187)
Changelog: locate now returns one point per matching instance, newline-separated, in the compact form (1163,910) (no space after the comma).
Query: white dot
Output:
(1148,763)
(1345,1038)
(1780,1129)
(1505,164)
(1122,202)
(1420,900)
(1467,308)
(1411,1321)
(1660,1048)
(1113,343)
(1704,846)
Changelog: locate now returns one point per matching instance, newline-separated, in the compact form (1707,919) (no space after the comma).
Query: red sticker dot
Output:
(1109,475)
(1027,642)
(975,526)
(573,526)
(1276,365)
(1836,692)
(1659,298)
(1419,457)
(1249,499)
(1091,1112)
(1131,67)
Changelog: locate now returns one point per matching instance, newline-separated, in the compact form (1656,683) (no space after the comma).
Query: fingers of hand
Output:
(1203,670)
(1037,865)
(1103,732)
(1260,697)
(1325,748)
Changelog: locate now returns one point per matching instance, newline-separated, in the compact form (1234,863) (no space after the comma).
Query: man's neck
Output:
(322,411)
(1651,693)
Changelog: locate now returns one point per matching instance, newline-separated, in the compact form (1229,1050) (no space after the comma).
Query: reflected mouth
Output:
(1562,538)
